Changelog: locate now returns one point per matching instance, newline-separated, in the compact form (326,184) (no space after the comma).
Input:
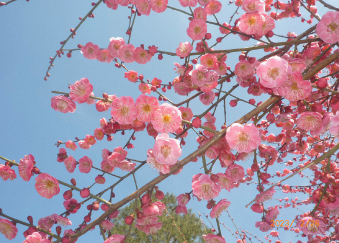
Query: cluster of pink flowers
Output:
(204,188)
(116,159)
(117,48)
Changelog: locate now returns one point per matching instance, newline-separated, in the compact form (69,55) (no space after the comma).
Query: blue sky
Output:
(30,33)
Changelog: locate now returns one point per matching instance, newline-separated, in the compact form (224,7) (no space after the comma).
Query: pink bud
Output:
(159,195)
(322,83)
(196,123)
(30,219)
(129,220)
(233,103)
(73,181)
(145,198)
(68,195)
(84,193)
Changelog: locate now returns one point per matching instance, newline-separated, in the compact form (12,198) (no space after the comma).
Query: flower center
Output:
(251,6)
(311,226)
(146,108)
(243,137)
(332,27)
(197,29)
(294,86)
(165,150)
(209,62)
(167,118)
(124,110)
(200,76)
(90,50)
(273,73)
(116,46)
(49,184)
(62,105)
(252,20)
(128,54)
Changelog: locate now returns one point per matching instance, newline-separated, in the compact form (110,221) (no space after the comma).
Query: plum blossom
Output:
(81,90)
(243,138)
(46,185)
(132,76)
(107,225)
(273,73)
(197,29)
(35,237)
(158,6)
(166,118)
(250,6)
(143,6)
(204,188)
(7,173)
(89,50)
(213,238)
(70,164)
(213,7)
(328,27)
(181,209)
(111,4)
(116,238)
(26,167)
(200,13)
(166,150)
(63,104)
(235,172)
(186,113)
(219,208)
(126,53)
(334,128)
(188,3)
(251,23)
(8,229)
(151,160)
(183,199)
(184,49)
(85,164)
(263,226)
(199,75)
(114,46)
(310,121)
(103,56)
(208,98)
(225,181)
(141,56)
(123,110)
(244,69)
(264,196)
(209,61)
(311,226)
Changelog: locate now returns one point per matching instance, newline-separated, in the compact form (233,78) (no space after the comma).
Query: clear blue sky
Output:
(30,33)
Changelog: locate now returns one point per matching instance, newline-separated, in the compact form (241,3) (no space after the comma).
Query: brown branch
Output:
(328,5)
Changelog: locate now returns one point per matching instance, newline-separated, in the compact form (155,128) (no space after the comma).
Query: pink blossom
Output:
(107,225)
(166,118)
(7,173)
(243,138)
(126,165)
(311,226)
(83,144)
(255,89)
(183,199)
(141,56)
(334,128)
(200,13)
(297,65)
(103,56)
(310,121)
(105,166)
(209,61)
(272,214)
(204,188)
(210,118)
(247,81)
(267,26)
(274,233)
(264,196)
(236,172)
(72,204)
(8,229)
(251,23)
(181,209)
(132,76)
(61,220)
(150,228)
(166,150)
(46,185)
(186,113)
(199,75)
(116,238)
(263,226)
(121,153)
(219,208)
(114,46)
(85,164)
(70,164)
(244,69)
(111,4)
(114,159)
(221,69)
(251,6)
(99,133)
(71,145)
(145,88)
(143,6)
(328,27)
(213,7)
(208,98)
(26,167)
(197,29)
(203,2)
(81,90)
(151,160)
(123,110)
(63,104)
(184,49)
(126,53)
(213,238)
(188,3)
(295,88)
(158,6)
(89,50)
(125,2)
(35,238)
(90,140)
(224,30)
(151,131)
(181,88)
(273,73)
(225,181)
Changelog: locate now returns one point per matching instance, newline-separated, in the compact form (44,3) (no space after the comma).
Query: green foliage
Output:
(189,225)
